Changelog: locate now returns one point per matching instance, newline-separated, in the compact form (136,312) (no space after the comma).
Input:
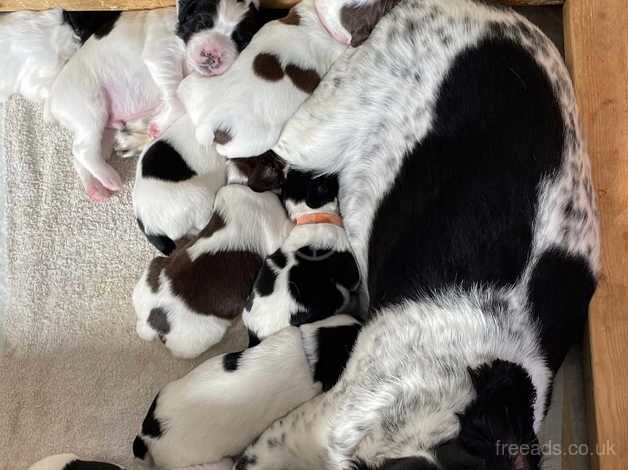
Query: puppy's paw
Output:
(96,191)
(165,118)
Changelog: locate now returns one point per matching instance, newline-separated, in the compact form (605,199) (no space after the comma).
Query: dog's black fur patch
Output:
(265,282)
(559,292)
(163,243)
(139,448)
(406,463)
(90,465)
(253,339)
(195,16)
(313,282)
(279,259)
(88,23)
(315,191)
(163,162)
(151,426)
(334,348)
(502,412)
(462,208)
(231,361)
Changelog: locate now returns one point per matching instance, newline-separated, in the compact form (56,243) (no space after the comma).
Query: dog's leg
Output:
(294,442)
(163,55)
(94,189)
(87,150)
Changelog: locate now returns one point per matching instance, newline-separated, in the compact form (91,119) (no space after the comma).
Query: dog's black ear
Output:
(267,174)
(321,190)
(161,242)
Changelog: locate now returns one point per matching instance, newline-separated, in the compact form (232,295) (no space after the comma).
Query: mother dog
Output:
(466,192)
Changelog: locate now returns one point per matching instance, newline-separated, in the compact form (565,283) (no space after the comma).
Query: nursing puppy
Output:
(71,462)
(466,194)
(244,110)
(36,47)
(131,70)
(215,411)
(175,184)
(314,274)
(189,299)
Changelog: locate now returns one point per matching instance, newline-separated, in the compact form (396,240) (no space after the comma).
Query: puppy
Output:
(71,462)
(217,409)
(36,46)
(175,184)
(314,274)
(132,68)
(244,110)
(189,299)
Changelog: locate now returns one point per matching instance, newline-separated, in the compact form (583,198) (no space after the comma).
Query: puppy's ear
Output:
(267,174)
(321,190)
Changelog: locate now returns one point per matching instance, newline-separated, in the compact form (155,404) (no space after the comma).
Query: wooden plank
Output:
(11,5)
(596,46)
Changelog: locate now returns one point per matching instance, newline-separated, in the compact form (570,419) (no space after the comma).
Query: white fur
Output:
(178,209)
(252,109)
(254,222)
(36,45)
(212,413)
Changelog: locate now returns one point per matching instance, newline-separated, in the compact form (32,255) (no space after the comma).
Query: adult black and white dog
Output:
(215,411)
(132,70)
(313,275)
(466,193)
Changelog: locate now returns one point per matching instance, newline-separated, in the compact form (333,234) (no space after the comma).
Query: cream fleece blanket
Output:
(74,376)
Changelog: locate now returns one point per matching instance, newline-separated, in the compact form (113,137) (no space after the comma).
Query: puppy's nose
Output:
(212,60)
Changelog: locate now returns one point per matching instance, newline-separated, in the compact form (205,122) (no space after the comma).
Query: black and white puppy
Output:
(314,274)
(71,462)
(467,197)
(132,69)
(244,110)
(215,411)
(189,299)
(175,184)
(36,46)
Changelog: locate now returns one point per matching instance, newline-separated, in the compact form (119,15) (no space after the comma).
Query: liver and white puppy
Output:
(466,194)
(189,299)
(244,110)
(132,69)
(71,462)
(314,274)
(38,44)
(175,184)
(215,411)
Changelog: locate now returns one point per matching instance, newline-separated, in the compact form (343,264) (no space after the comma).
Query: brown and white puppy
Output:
(189,299)
(245,109)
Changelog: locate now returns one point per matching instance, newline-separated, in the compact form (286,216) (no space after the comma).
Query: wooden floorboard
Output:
(10,5)
(596,46)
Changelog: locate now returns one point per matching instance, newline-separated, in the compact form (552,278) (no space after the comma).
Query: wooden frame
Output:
(596,46)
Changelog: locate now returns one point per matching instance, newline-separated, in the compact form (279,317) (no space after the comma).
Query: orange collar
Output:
(319,218)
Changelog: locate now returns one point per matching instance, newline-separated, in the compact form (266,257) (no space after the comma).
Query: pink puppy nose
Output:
(211,59)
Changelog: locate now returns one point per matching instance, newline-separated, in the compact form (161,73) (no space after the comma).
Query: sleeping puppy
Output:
(38,44)
(216,410)
(131,70)
(314,274)
(175,184)
(467,196)
(189,299)
(244,110)
(71,462)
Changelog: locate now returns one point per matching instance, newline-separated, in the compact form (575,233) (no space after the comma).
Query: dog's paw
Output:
(165,118)
(96,191)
